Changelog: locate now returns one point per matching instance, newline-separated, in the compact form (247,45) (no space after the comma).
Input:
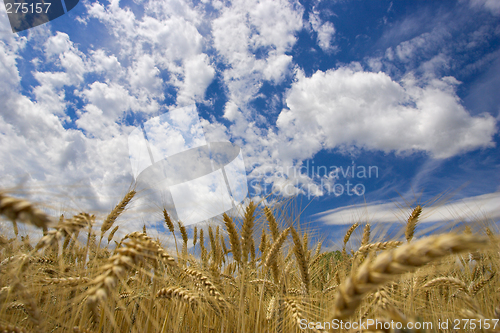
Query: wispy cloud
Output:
(468,209)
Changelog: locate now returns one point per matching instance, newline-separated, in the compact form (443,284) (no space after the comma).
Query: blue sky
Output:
(409,89)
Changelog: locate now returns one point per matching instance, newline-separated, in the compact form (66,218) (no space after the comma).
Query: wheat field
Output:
(260,272)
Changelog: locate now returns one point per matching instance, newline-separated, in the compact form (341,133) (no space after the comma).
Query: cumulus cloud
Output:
(168,55)
(325,32)
(248,27)
(198,76)
(165,42)
(347,107)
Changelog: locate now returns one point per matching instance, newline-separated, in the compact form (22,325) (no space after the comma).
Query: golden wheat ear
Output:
(234,238)
(412,223)
(301,260)
(348,235)
(247,242)
(16,209)
(119,208)
(388,265)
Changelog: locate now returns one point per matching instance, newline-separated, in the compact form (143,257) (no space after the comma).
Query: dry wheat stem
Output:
(76,329)
(271,307)
(318,250)
(318,258)
(29,304)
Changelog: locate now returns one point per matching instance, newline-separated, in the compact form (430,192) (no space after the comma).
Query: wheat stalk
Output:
(168,221)
(297,315)
(139,246)
(68,281)
(301,259)
(179,293)
(112,233)
(234,238)
(247,231)
(205,281)
(263,246)
(474,288)
(379,246)
(119,208)
(446,281)
(65,228)
(29,304)
(348,236)
(24,211)
(155,246)
(271,307)
(273,226)
(412,223)
(275,248)
(366,235)
(389,265)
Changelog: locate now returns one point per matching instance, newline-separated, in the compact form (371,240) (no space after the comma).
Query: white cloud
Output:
(347,107)
(172,8)
(491,5)
(277,67)
(240,31)
(107,65)
(169,46)
(112,99)
(325,31)
(174,39)
(35,145)
(57,44)
(468,209)
(143,75)
(91,163)
(69,57)
(198,76)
